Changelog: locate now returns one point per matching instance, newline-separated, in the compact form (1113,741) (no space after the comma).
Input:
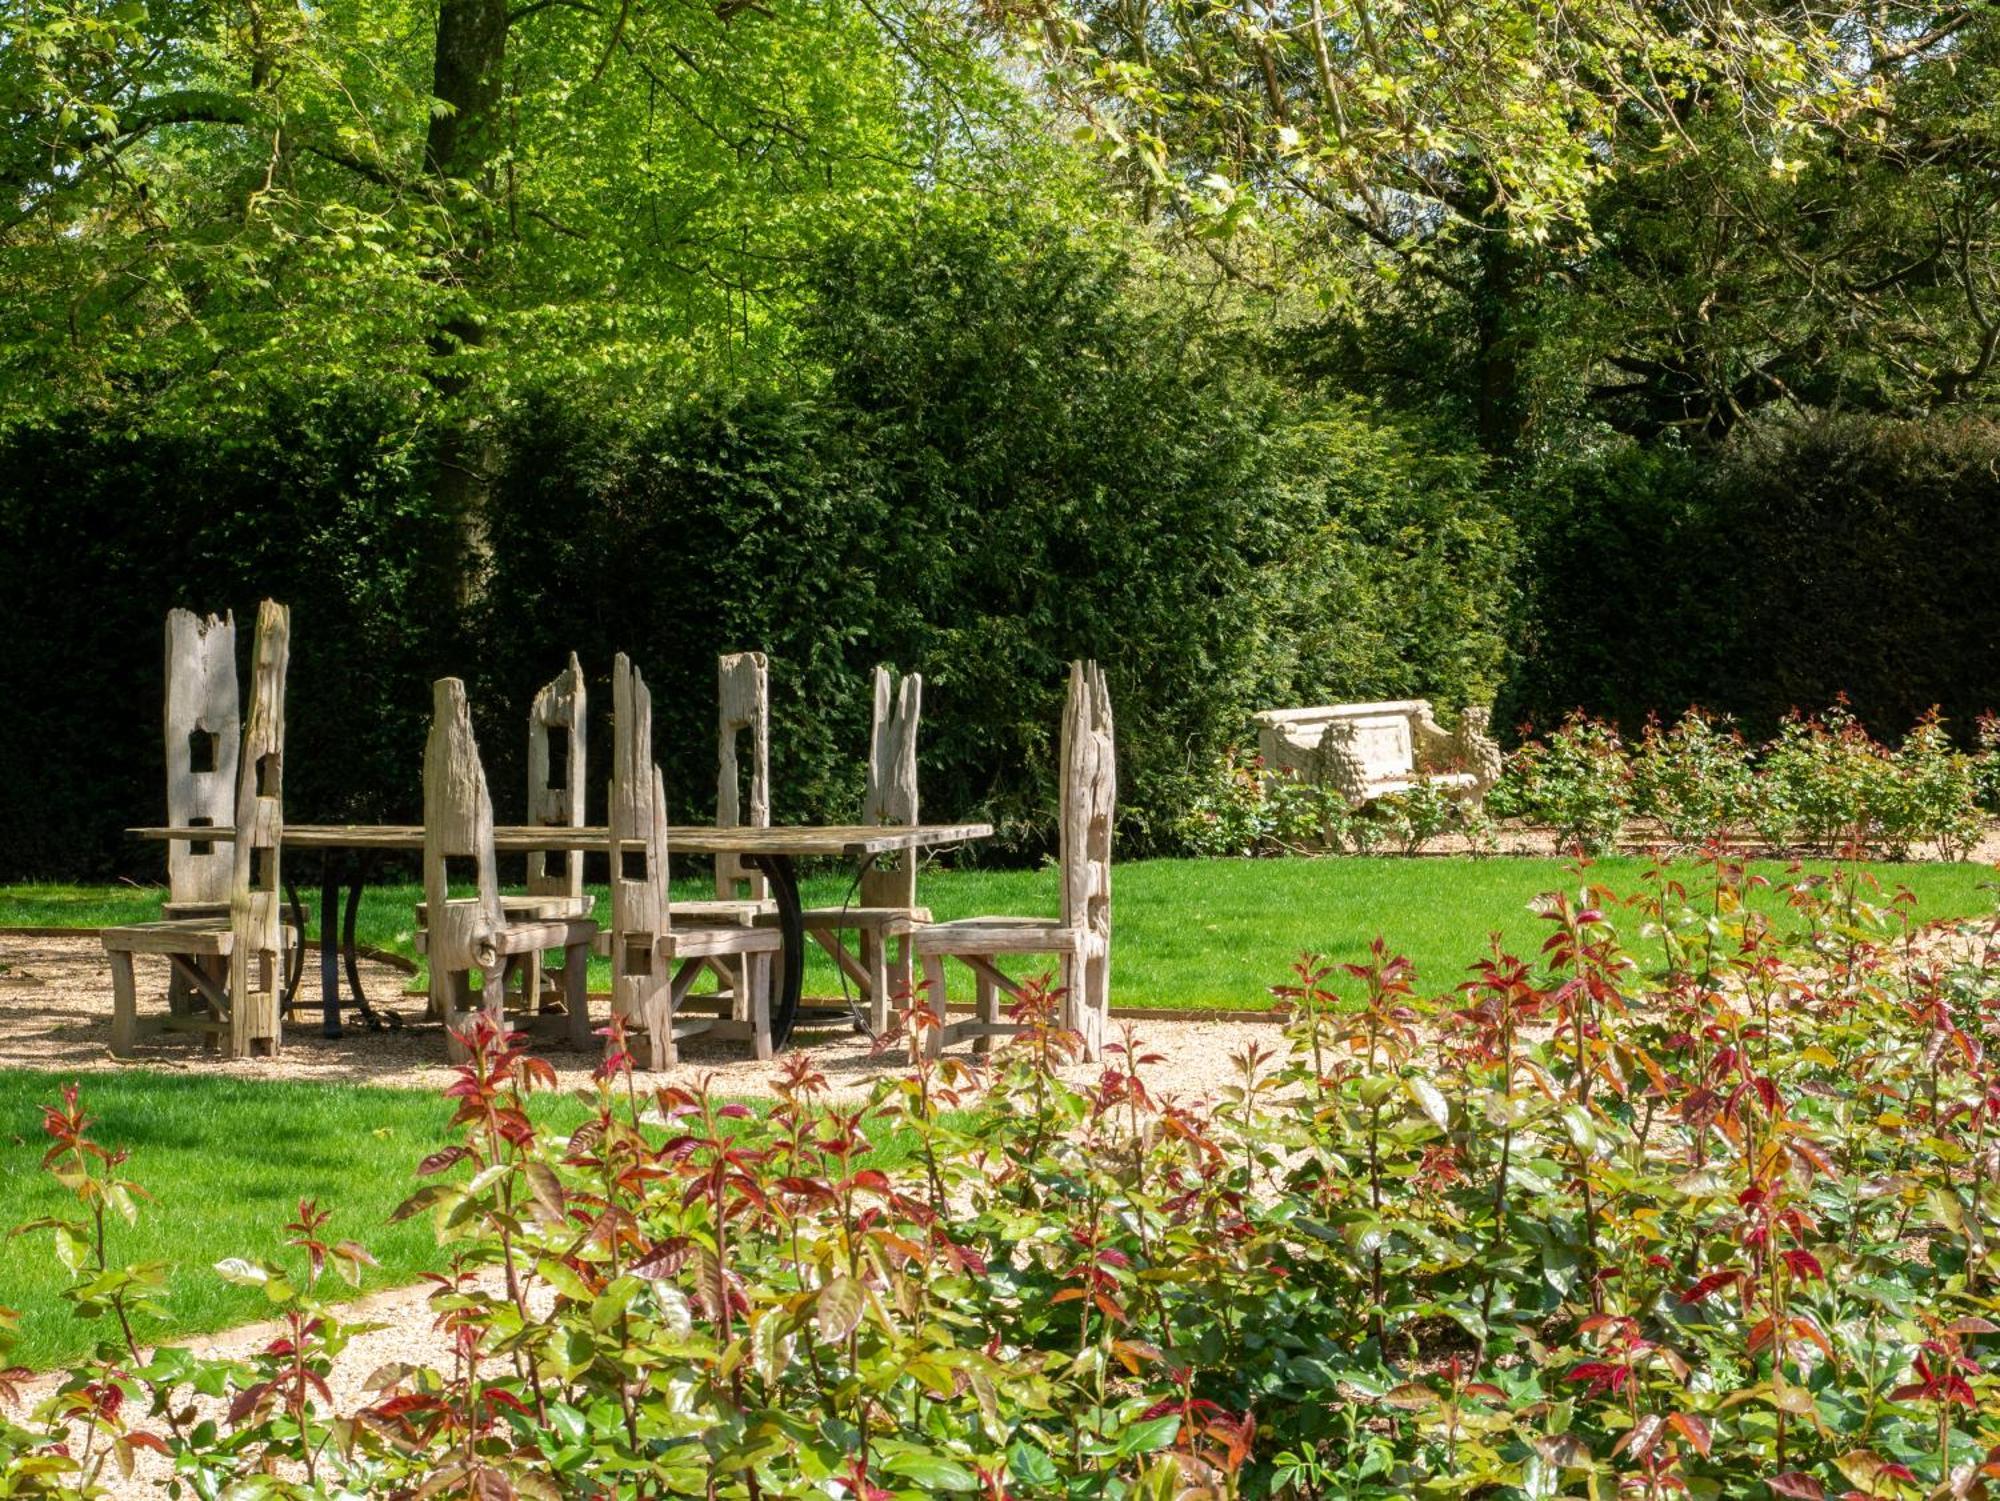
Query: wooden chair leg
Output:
(532,999)
(181,1000)
(987,1010)
(493,995)
(576,992)
(903,974)
(875,960)
(217,969)
(1076,1015)
(933,1002)
(124,1006)
(451,993)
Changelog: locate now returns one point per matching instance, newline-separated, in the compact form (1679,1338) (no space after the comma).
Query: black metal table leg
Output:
(778,869)
(295,968)
(329,951)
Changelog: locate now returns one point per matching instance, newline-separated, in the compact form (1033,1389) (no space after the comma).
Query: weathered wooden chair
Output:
(886,912)
(743,697)
(231,964)
(466,934)
(1081,938)
(556,783)
(655,962)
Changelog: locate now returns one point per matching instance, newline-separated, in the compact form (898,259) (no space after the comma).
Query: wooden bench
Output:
(1373,750)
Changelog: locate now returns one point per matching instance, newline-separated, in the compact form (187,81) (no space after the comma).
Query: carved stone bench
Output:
(1373,750)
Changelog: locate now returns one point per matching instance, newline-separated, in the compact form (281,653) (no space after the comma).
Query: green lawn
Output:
(1188,933)
(226,1162)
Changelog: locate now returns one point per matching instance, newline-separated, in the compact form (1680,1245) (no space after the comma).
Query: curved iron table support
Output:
(784,879)
(295,968)
(334,872)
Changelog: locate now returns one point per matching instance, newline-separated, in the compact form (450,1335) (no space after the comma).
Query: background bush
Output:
(1800,561)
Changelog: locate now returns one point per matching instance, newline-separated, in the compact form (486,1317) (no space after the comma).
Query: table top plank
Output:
(845,841)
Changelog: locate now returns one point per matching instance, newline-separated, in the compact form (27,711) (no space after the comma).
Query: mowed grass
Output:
(1187,933)
(226,1162)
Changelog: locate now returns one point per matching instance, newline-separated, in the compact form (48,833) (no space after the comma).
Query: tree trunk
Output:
(466,77)
(1504,330)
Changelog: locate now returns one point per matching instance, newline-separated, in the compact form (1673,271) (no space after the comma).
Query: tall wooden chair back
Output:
(256,896)
(638,819)
(891,796)
(743,693)
(556,783)
(1089,805)
(458,841)
(203,743)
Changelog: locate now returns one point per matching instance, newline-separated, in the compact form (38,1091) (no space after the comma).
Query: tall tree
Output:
(1459,143)
(453,199)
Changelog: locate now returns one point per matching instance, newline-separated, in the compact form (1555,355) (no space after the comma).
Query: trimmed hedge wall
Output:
(1806,560)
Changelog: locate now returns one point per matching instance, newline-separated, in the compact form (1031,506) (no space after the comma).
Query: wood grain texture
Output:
(257,891)
(798,841)
(226,969)
(200,701)
(654,965)
(743,705)
(468,935)
(882,963)
(556,793)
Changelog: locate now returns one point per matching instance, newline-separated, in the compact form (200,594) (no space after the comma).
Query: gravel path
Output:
(55,1013)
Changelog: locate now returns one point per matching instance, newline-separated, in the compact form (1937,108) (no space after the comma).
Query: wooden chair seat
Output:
(892,921)
(525,908)
(718,942)
(728,913)
(186,935)
(999,935)
(530,935)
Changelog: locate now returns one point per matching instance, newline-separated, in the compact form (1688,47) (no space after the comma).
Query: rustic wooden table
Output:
(774,851)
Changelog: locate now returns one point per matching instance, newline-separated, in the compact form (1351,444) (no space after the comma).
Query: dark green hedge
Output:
(999,449)
(1804,560)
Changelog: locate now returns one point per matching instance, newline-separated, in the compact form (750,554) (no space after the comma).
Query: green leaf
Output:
(838,1309)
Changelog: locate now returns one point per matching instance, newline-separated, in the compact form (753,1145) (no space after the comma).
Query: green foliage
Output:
(1705,1212)
(1241,810)
(1822,785)
(101,532)
(206,208)
(1005,451)
(1575,784)
(1695,779)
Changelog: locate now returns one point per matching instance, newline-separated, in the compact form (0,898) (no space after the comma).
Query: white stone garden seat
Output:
(1374,750)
